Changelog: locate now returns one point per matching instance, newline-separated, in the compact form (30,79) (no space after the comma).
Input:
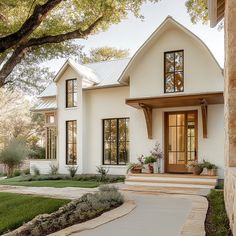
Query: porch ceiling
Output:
(178,100)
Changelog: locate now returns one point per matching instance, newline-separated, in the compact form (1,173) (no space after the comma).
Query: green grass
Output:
(15,209)
(217,219)
(50,183)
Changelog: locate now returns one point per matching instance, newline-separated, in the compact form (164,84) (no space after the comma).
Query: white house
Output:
(109,113)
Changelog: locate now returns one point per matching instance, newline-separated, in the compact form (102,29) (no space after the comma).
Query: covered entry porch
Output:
(185,125)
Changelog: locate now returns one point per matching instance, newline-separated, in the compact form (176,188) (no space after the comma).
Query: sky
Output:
(132,32)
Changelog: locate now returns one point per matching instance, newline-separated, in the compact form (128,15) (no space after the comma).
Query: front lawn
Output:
(15,209)
(50,183)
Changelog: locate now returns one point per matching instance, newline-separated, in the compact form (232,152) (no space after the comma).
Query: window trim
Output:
(117,143)
(174,51)
(73,92)
(73,143)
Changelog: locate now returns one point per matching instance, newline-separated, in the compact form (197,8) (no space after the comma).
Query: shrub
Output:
(26,171)
(16,173)
(72,170)
(149,159)
(13,155)
(53,169)
(102,172)
(36,171)
(37,152)
(87,207)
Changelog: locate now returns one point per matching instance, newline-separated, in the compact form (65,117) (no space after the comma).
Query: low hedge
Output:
(82,177)
(87,207)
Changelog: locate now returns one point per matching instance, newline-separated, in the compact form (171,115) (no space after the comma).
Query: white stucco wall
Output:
(66,114)
(98,105)
(201,72)
(44,166)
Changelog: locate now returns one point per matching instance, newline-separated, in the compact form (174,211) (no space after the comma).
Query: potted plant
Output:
(158,155)
(150,160)
(211,168)
(196,167)
(135,168)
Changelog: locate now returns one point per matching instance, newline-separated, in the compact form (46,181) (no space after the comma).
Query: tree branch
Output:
(20,52)
(39,13)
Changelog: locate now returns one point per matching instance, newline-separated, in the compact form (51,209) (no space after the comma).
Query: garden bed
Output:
(61,181)
(217,223)
(87,207)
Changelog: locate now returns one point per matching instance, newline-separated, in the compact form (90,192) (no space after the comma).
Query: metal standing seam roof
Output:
(108,73)
(45,105)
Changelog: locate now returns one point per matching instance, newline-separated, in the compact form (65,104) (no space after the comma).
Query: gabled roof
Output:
(106,72)
(85,72)
(168,23)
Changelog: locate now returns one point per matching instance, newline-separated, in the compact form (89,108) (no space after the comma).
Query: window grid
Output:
(114,139)
(71,93)
(71,142)
(174,72)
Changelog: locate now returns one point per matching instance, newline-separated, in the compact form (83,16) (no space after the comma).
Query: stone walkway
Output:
(153,215)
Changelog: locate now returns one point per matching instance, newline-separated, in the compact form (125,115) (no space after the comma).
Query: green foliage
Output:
(65,17)
(26,171)
(102,172)
(15,209)
(103,54)
(149,160)
(198,10)
(53,169)
(219,219)
(37,152)
(77,211)
(13,155)
(16,173)
(132,166)
(208,165)
(36,171)
(72,170)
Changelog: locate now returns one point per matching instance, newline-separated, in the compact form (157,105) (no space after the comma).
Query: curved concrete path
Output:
(159,215)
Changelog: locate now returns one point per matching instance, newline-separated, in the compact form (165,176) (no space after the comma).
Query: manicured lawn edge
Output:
(87,207)
(217,223)
(16,209)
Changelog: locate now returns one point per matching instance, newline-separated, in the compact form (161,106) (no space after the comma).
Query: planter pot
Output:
(197,170)
(212,172)
(150,167)
(136,170)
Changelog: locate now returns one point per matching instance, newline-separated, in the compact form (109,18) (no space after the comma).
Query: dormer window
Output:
(71,93)
(174,71)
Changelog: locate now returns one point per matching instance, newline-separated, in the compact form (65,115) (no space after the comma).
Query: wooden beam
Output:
(204,117)
(148,117)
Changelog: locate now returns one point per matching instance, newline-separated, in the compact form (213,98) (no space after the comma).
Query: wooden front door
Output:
(180,140)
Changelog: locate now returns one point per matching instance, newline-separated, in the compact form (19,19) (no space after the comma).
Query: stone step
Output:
(168,180)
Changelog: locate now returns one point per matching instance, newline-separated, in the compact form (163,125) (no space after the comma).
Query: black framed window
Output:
(115,141)
(51,143)
(71,93)
(71,142)
(174,71)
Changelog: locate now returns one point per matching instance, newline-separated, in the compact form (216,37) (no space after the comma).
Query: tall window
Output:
(71,141)
(115,141)
(71,93)
(51,143)
(174,71)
